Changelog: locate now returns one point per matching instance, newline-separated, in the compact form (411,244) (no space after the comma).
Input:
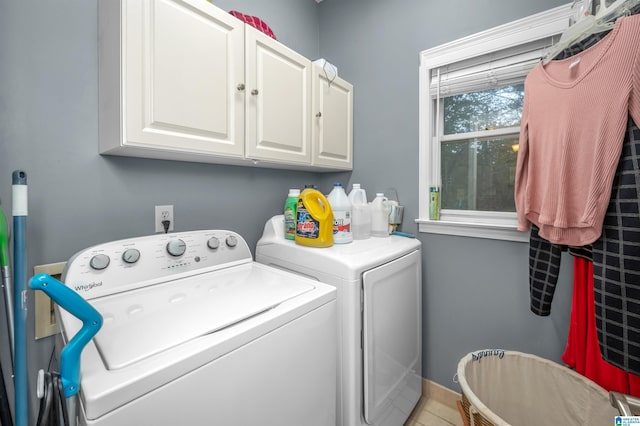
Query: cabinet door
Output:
(183,61)
(278,101)
(333,120)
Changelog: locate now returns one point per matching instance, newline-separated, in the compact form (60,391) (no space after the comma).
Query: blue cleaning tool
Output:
(20,211)
(403,234)
(91,319)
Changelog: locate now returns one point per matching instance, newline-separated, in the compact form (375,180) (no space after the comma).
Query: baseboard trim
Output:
(437,392)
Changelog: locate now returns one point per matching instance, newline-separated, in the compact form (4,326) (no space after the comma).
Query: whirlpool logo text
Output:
(87,287)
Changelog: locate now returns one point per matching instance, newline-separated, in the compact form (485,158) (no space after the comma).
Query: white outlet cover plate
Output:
(159,217)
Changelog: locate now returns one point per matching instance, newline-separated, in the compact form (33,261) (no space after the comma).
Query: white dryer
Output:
(379,319)
(197,333)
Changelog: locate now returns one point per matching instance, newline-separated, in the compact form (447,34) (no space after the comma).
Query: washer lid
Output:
(144,322)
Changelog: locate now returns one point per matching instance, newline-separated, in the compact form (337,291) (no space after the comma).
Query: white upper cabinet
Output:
(332,133)
(278,101)
(185,80)
(169,72)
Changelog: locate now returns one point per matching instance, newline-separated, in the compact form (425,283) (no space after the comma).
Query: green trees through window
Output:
(478,159)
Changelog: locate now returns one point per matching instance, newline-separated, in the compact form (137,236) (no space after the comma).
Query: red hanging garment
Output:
(583,351)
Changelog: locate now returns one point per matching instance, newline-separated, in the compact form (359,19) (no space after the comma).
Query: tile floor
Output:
(430,412)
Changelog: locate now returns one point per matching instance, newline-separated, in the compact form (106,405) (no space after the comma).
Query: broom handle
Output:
(19,179)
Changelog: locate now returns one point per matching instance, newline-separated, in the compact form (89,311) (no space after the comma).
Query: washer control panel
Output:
(124,265)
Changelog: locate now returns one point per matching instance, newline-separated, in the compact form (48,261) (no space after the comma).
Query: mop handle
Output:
(73,303)
(6,279)
(20,211)
(4,240)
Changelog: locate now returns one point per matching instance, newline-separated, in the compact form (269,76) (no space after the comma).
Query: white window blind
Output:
(488,71)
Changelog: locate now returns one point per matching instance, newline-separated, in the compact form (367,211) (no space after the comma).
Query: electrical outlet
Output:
(164,213)
(45,318)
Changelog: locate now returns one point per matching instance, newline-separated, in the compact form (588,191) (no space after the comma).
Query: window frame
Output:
(513,39)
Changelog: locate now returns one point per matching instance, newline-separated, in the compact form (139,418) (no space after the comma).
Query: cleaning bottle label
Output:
(341,222)
(307,226)
(289,224)
(290,205)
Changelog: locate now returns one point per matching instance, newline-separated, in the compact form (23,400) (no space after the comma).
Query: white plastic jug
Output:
(361,213)
(379,216)
(341,207)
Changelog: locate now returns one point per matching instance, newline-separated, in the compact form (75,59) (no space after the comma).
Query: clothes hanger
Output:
(589,24)
(615,10)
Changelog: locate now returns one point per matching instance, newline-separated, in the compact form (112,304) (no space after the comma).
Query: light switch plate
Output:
(45,316)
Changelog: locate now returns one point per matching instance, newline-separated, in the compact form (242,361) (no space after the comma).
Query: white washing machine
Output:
(379,319)
(197,333)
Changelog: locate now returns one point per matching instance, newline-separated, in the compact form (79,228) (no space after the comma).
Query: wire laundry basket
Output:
(503,388)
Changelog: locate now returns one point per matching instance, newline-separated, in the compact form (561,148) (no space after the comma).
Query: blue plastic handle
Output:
(403,234)
(73,303)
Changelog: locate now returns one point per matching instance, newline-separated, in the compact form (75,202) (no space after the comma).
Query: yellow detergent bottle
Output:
(314,227)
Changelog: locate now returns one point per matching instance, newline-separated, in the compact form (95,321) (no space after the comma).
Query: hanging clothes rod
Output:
(589,24)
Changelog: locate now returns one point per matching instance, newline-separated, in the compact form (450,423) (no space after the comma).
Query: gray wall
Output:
(475,291)
(77,198)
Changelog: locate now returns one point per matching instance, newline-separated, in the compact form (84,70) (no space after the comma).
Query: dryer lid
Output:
(147,321)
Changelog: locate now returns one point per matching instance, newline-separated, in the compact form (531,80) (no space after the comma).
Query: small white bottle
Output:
(341,207)
(361,213)
(379,216)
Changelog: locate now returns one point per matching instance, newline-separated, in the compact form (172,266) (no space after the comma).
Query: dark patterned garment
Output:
(616,263)
(615,255)
(544,265)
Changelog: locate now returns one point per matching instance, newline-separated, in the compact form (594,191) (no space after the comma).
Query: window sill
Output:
(470,229)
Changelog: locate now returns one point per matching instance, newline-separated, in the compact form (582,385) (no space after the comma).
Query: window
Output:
(478,149)
(471,97)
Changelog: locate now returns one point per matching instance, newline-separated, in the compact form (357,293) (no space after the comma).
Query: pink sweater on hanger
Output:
(573,122)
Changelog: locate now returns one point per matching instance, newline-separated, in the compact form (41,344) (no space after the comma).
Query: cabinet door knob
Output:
(254,92)
(240,87)
(319,114)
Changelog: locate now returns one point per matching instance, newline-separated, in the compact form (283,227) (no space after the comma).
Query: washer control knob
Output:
(176,247)
(231,241)
(131,255)
(213,243)
(99,261)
